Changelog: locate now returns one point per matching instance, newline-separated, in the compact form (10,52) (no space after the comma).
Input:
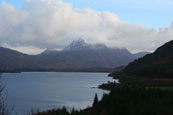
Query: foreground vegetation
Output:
(157,64)
(127,101)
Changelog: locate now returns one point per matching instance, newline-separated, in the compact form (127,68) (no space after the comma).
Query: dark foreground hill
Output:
(157,64)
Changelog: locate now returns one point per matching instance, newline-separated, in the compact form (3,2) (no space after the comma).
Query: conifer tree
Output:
(95,100)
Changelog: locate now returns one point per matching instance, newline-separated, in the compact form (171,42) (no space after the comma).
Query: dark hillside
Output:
(157,64)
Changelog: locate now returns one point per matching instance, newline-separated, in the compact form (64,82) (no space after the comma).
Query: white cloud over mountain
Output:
(42,24)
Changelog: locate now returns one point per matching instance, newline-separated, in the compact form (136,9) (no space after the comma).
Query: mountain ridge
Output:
(76,56)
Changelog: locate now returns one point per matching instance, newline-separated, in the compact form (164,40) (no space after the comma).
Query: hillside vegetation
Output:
(157,64)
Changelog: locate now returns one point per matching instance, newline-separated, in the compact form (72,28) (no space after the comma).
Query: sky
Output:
(34,25)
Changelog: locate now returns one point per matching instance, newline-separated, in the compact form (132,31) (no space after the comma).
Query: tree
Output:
(95,100)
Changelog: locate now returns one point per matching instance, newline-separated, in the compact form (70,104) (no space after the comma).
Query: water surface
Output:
(48,90)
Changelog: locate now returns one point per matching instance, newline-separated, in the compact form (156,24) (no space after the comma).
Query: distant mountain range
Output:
(157,64)
(75,57)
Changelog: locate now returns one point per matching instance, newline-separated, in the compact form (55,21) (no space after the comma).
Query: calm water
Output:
(48,90)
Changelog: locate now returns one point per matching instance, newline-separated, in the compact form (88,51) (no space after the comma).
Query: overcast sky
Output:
(34,25)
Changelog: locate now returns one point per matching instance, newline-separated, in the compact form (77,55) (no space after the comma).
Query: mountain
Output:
(79,55)
(78,45)
(11,60)
(157,64)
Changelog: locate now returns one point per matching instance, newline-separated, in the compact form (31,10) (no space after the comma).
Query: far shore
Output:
(92,70)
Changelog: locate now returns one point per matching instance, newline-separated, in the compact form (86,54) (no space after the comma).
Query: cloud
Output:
(42,24)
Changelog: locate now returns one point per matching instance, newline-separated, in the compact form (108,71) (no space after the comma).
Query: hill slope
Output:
(11,60)
(157,64)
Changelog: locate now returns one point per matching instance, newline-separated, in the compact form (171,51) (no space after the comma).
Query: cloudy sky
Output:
(32,26)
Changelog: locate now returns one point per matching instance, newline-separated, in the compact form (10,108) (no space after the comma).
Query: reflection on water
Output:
(48,90)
